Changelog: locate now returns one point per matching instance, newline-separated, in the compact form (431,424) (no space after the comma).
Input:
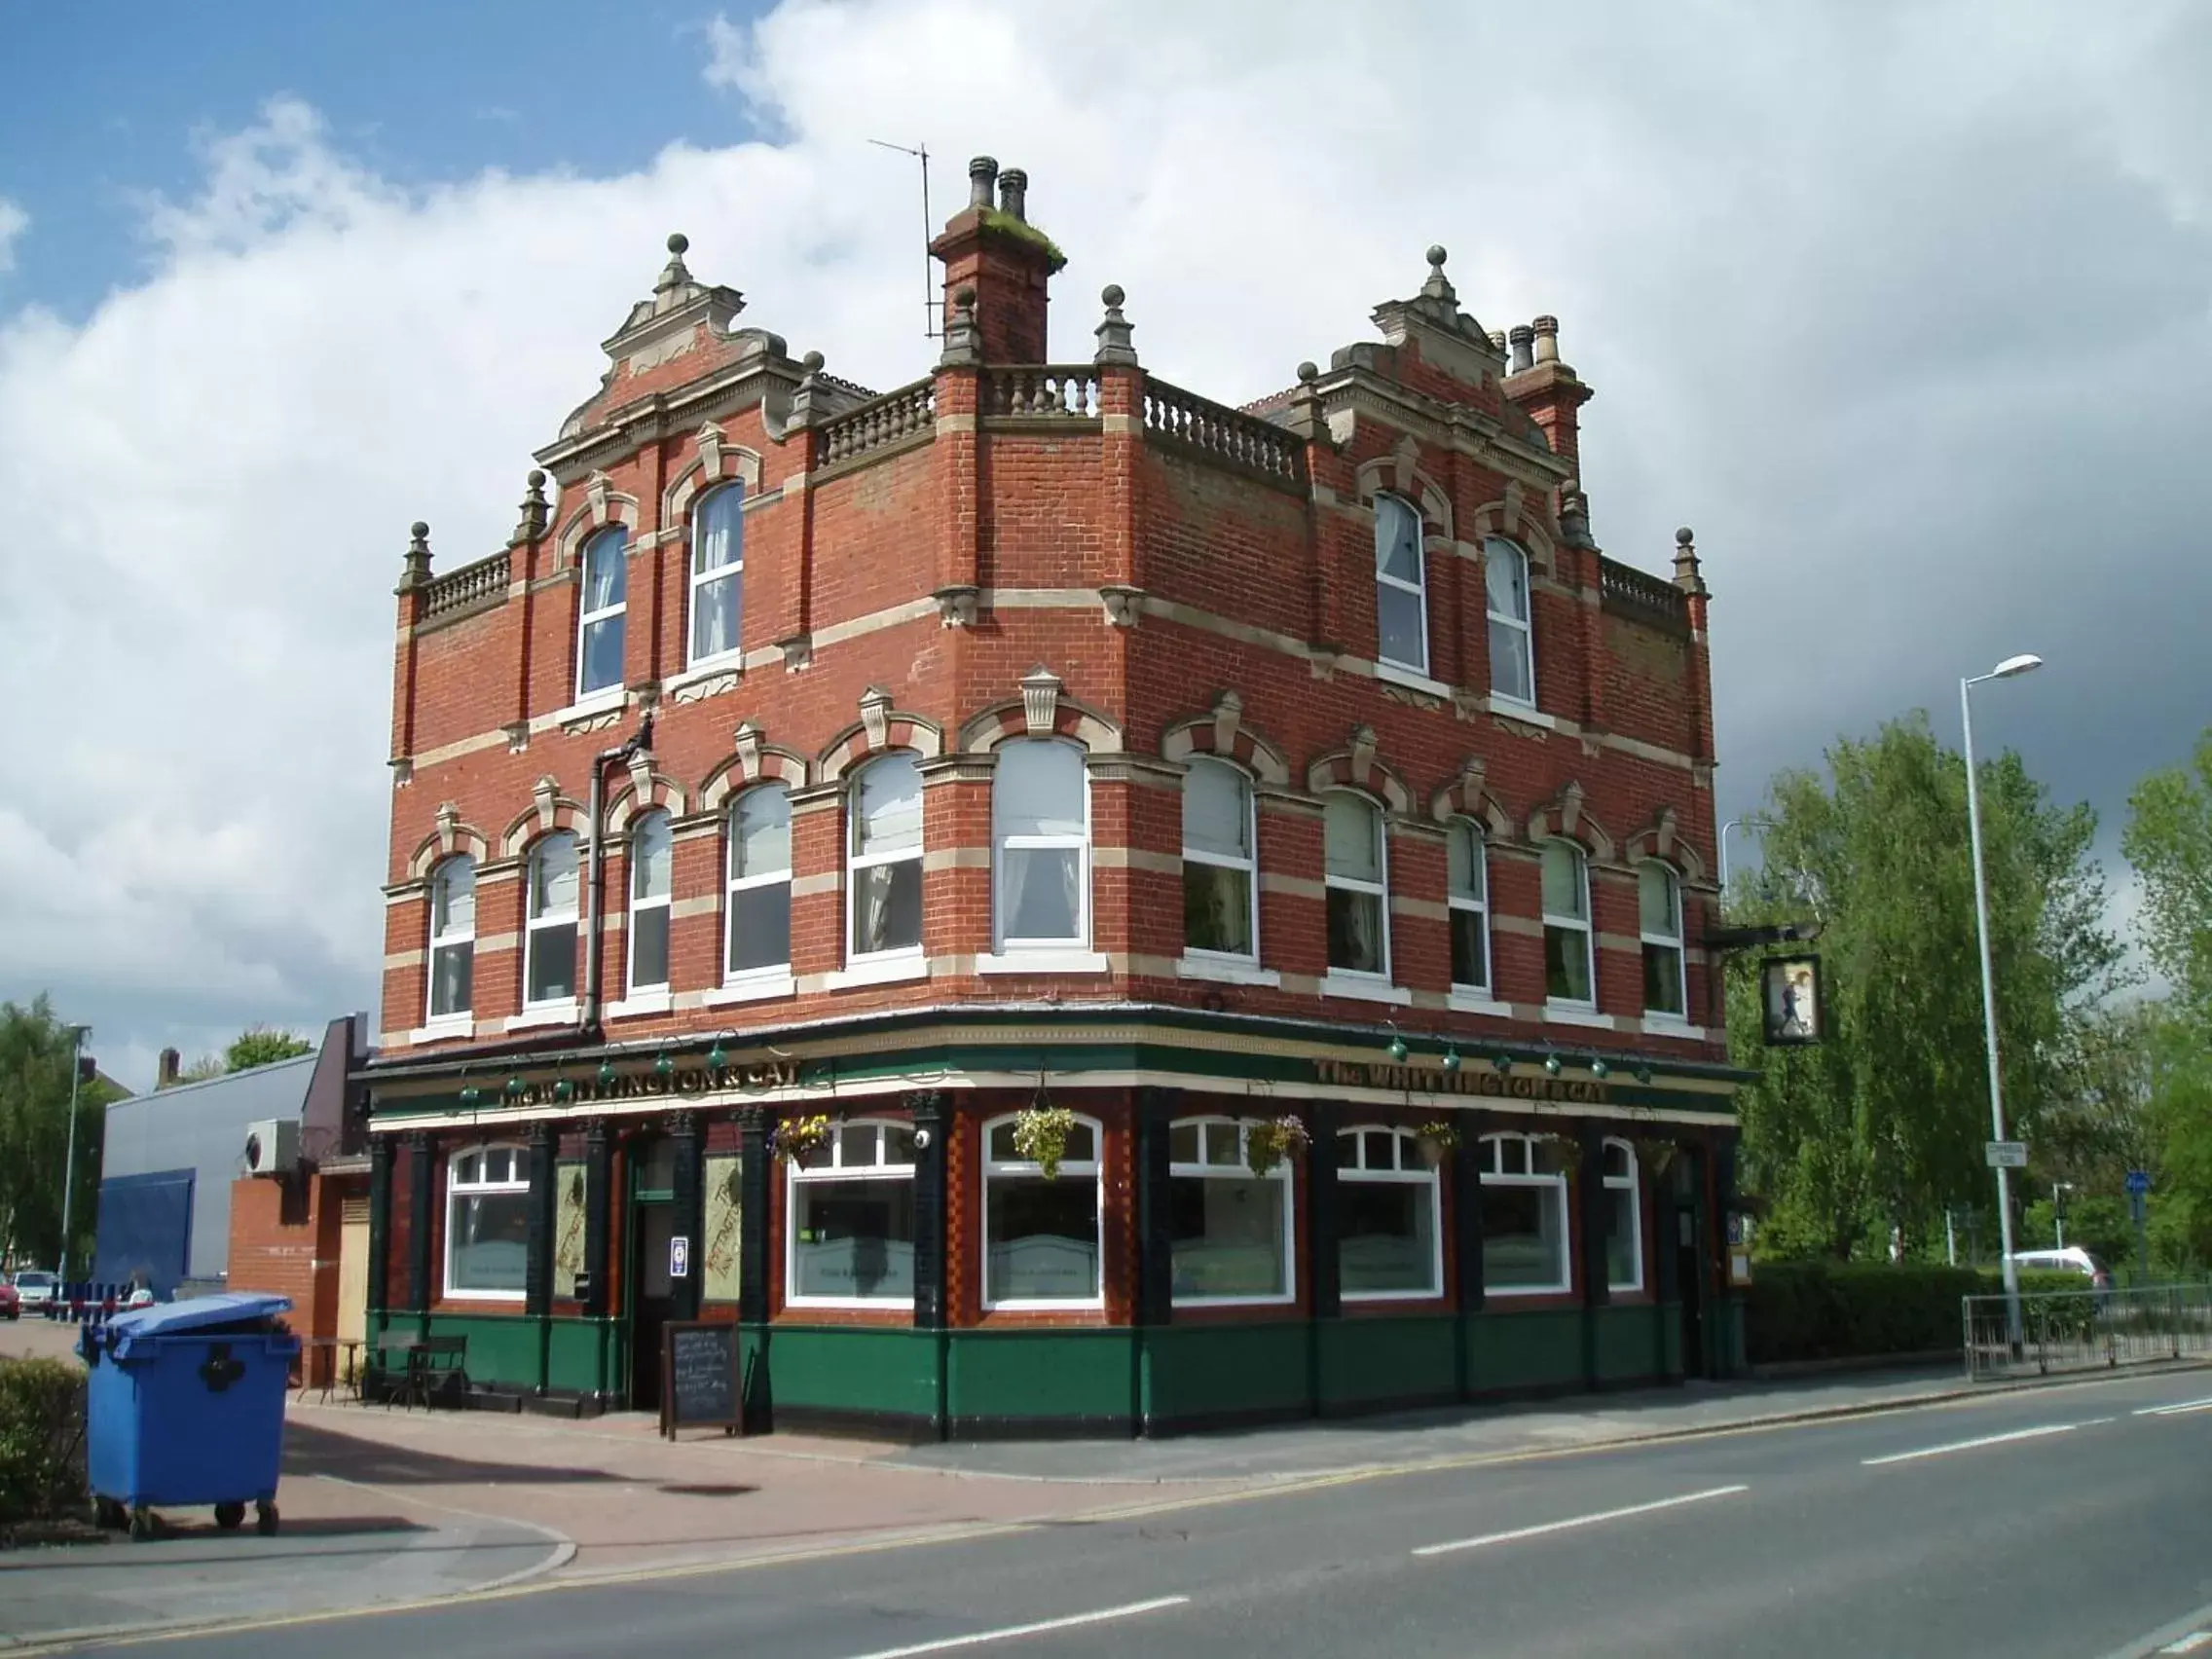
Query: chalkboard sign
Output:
(699,1386)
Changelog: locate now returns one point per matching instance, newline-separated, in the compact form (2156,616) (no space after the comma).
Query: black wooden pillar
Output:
(419,1198)
(381,1149)
(1595,1219)
(1723,1333)
(932,1123)
(754,1169)
(599,1183)
(687,1139)
(1322,1269)
(537,1262)
(1154,1214)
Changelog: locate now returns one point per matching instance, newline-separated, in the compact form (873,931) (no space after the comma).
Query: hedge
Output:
(1799,1310)
(42,1440)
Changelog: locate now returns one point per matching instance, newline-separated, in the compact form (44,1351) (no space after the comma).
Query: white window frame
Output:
(1526,626)
(666,902)
(1249,865)
(1492,1168)
(733,572)
(451,939)
(1093,1169)
(733,884)
(535,923)
(1586,924)
(1378,890)
(1411,1170)
(837,1169)
(459,1188)
(619,537)
(1239,1170)
(1479,863)
(1418,587)
(857,861)
(1630,1184)
(1002,943)
(1672,941)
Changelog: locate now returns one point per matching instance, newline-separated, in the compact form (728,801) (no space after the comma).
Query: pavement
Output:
(392,1509)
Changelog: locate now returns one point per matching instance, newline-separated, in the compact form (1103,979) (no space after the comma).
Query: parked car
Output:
(140,1296)
(36,1288)
(11,1302)
(2071,1259)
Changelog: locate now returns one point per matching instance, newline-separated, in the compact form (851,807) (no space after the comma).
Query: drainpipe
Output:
(594,869)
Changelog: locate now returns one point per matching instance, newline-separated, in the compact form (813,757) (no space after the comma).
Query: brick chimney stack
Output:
(165,1069)
(1546,388)
(990,247)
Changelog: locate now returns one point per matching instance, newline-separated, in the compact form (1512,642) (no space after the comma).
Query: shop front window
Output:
(1624,1238)
(851,1219)
(1524,1215)
(488,1222)
(1388,1244)
(1041,1238)
(1231,1228)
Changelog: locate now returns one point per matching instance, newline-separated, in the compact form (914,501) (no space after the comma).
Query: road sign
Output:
(2138,1182)
(2007,1154)
(679,1257)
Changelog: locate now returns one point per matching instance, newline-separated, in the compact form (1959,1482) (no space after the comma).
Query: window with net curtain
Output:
(1352,834)
(718,572)
(550,946)
(1040,1237)
(453,936)
(1512,636)
(1468,903)
(599,612)
(759,882)
(852,1217)
(1660,898)
(1230,1229)
(652,861)
(885,873)
(1401,601)
(488,1222)
(1566,923)
(1218,864)
(1041,829)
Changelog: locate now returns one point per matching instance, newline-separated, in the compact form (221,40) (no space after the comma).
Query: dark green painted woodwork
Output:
(1540,1350)
(876,1370)
(1369,1363)
(1627,1341)
(502,1347)
(573,1355)
(1044,1377)
(1199,1373)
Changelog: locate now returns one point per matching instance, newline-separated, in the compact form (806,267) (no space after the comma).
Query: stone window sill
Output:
(1556,1014)
(1377,990)
(1477,1001)
(1225,971)
(445,1029)
(641,1003)
(882,971)
(752,987)
(551,1013)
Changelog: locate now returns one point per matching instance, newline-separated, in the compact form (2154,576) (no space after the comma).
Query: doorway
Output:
(1688,1245)
(652,1222)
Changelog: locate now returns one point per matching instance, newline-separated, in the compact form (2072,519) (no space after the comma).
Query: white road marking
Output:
(2175,1409)
(946,1644)
(1577,1520)
(2094,1422)
(2188,1643)
(1971,1445)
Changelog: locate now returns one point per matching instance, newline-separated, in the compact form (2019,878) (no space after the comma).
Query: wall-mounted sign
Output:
(1480,1081)
(648,1085)
(1790,991)
(680,1257)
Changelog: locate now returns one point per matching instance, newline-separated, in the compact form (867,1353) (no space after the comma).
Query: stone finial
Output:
(675,274)
(1498,341)
(1688,575)
(1438,286)
(963,342)
(1547,339)
(983,173)
(1041,701)
(1014,193)
(809,390)
(415,566)
(1114,343)
(1305,414)
(535,513)
(1574,516)
(1521,338)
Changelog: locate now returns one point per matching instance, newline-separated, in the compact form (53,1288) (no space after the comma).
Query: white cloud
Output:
(1904,311)
(13,222)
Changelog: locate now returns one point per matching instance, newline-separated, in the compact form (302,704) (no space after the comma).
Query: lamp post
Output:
(77,1036)
(2006,669)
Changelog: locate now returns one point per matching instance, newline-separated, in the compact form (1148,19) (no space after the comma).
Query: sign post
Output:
(2007,1154)
(2138,1191)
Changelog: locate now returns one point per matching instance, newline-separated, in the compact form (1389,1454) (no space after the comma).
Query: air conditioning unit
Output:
(272,1146)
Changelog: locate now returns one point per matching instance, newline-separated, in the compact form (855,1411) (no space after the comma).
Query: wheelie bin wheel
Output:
(109,1516)
(230,1515)
(265,1520)
(141,1524)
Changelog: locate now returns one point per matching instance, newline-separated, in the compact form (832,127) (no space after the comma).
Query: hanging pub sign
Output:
(1790,993)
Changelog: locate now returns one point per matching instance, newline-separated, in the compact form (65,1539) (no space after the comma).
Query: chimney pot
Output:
(1520,337)
(983,173)
(1014,193)
(167,1068)
(1547,339)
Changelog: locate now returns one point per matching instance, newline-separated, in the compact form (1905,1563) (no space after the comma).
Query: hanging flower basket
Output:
(793,1138)
(1438,1141)
(1568,1151)
(1041,1135)
(1656,1152)
(1270,1140)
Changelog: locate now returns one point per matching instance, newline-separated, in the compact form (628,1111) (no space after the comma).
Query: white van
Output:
(2071,1259)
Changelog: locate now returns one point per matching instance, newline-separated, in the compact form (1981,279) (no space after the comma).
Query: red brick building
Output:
(1294,794)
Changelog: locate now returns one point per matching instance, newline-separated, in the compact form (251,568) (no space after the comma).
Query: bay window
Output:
(1230,1227)
(1524,1215)
(883,875)
(1566,925)
(759,904)
(1388,1241)
(850,1217)
(550,946)
(1041,844)
(1041,1238)
(488,1222)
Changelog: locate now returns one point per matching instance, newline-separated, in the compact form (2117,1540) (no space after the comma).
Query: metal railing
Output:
(2084,1330)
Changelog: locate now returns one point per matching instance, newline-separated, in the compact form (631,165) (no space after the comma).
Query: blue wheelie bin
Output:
(185,1406)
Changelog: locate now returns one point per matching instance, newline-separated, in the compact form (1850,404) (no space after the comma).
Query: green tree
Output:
(36,1055)
(1883,1124)
(2168,839)
(261,1045)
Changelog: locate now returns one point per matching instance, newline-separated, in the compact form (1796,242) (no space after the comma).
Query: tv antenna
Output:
(930,304)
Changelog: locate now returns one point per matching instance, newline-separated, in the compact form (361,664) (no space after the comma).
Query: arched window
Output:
(1231,1228)
(1401,588)
(1040,840)
(1041,1238)
(550,927)
(760,907)
(1220,873)
(1512,632)
(850,1219)
(883,876)
(1357,893)
(1566,925)
(1659,896)
(599,612)
(651,859)
(1467,895)
(1524,1215)
(488,1222)
(453,938)
(717,572)
(1389,1244)
(1624,1217)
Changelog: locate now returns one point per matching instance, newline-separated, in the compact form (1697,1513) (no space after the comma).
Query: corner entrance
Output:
(652,1222)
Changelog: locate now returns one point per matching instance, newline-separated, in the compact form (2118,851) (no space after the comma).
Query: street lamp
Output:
(2008,669)
(77,1036)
